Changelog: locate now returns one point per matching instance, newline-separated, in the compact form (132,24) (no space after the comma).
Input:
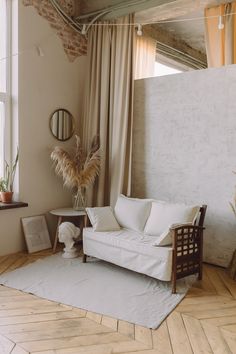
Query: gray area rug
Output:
(99,287)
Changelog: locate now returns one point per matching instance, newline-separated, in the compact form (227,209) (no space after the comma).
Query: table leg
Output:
(56,236)
(82,224)
(85,220)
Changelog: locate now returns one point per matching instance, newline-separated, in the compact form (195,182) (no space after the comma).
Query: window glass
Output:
(3,80)
(2,120)
(3,36)
(161,69)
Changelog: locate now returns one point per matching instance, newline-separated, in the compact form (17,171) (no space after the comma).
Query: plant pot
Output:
(6,197)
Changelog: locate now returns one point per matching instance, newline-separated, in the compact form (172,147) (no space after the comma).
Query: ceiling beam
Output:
(118,8)
(145,10)
(175,9)
(168,10)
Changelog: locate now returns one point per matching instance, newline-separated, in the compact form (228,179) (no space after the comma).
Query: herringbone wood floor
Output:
(204,322)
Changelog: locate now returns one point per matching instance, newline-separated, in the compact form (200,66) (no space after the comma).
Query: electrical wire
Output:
(163,21)
(78,26)
(69,20)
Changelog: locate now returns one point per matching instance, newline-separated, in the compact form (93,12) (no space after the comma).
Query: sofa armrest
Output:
(187,251)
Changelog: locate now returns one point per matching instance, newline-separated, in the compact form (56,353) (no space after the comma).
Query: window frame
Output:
(5,97)
(162,59)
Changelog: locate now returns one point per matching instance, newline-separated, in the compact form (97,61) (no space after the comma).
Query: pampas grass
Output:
(78,170)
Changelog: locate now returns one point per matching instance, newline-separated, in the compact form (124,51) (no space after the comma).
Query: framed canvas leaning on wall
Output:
(36,233)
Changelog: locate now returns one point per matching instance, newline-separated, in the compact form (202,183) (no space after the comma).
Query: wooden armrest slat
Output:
(187,249)
(187,258)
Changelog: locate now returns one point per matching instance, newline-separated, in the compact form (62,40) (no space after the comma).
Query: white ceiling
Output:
(190,31)
(147,11)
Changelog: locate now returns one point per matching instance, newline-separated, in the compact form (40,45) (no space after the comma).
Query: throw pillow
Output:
(102,219)
(132,213)
(164,214)
(165,239)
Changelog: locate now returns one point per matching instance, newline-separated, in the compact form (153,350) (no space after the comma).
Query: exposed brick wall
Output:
(74,43)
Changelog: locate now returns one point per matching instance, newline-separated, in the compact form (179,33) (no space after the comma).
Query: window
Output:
(164,69)
(4,81)
(167,66)
(170,60)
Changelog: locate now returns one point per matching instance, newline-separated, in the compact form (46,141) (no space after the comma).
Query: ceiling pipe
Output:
(112,8)
(76,26)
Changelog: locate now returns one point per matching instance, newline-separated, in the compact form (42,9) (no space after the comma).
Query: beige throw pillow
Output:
(163,215)
(102,219)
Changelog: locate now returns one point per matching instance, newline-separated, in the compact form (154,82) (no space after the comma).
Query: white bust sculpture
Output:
(67,234)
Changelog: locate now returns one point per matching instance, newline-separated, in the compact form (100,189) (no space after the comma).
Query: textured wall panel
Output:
(185,148)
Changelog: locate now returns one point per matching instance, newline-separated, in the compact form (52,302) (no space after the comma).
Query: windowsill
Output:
(13,205)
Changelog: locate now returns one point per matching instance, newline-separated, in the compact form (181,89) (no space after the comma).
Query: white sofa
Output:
(128,249)
(129,240)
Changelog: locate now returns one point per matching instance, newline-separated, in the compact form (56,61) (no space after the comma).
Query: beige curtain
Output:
(145,57)
(109,106)
(221,44)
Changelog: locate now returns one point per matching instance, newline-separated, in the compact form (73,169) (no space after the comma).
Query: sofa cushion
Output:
(132,213)
(164,214)
(128,249)
(102,219)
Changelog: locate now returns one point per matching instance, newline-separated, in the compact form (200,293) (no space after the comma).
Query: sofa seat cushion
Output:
(129,249)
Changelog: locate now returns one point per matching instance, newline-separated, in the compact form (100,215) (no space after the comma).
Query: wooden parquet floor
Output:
(204,322)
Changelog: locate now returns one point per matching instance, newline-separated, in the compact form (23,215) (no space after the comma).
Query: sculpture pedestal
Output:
(70,253)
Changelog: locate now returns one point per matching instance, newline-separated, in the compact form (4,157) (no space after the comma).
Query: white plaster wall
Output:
(185,148)
(44,84)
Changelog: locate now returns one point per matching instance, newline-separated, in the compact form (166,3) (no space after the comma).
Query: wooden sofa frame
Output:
(187,249)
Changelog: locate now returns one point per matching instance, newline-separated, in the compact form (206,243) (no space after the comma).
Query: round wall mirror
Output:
(62,124)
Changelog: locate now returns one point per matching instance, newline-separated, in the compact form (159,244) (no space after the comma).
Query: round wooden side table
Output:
(67,213)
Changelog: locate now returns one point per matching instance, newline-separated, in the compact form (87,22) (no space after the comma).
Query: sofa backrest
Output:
(134,213)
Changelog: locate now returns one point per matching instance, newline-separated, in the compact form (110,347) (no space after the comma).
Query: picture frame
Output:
(36,233)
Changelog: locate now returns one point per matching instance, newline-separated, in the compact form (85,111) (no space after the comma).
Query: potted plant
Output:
(6,182)
(78,170)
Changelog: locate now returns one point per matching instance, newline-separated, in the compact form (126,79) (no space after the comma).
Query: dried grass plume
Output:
(79,170)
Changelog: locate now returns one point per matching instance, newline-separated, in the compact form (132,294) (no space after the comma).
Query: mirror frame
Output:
(73,123)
